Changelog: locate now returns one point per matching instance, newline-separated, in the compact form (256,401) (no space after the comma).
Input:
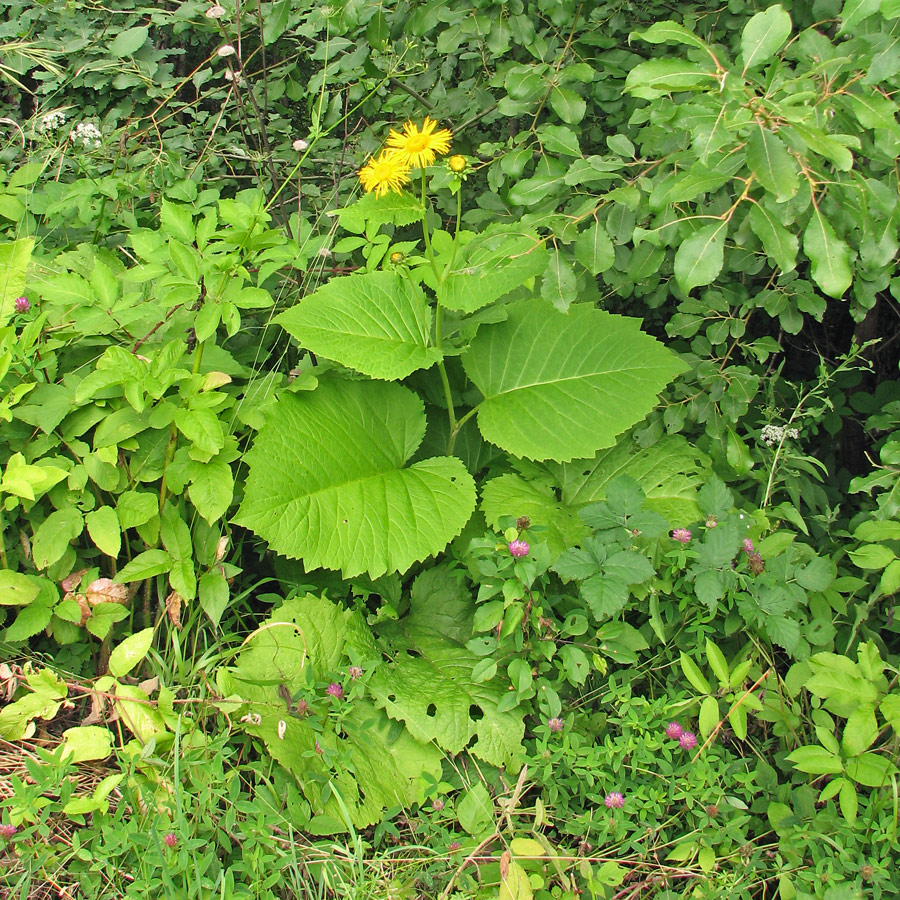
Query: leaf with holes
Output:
(328,481)
(562,385)
(430,688)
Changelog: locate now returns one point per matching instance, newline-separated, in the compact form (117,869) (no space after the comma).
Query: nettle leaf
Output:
(829,255)
(699,258)
(763,35)
(327,481)
(771,163)
(430,688)
(378,324)
(490,266)
(370,763)
(562,385)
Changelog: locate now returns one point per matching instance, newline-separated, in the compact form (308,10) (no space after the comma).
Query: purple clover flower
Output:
(335,690)
(614,800)
(748,546)
(518,548)
(355,672)
(23,304)
(7,831)
(682,535)
(171,839)
(674,731)
(555,724)
(688,740)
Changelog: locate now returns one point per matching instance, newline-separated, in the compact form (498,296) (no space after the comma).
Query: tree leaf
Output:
(594,250)
(763,35)
(829,255)
(490,266)
(856,11)
(568,105)
(327,481)
(771,163)
(658,77)
(779,243)
(669,32)
(560,386)
(699,258)
(378,324)
(125,43)
(145,565)
(559,284)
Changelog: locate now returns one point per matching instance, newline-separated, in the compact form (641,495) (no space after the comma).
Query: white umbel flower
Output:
(87,134)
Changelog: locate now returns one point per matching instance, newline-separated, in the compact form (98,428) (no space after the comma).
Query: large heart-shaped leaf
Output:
(378,324)
(327,481)
(562,385)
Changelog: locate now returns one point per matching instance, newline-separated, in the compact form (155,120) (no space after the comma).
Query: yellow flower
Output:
(457,164)
(386,172)
(419,148)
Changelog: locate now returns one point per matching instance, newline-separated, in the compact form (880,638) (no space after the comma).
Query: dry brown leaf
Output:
(173,608)
(72,580)
(105,590)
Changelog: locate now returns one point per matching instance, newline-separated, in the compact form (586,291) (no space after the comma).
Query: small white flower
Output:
(775,434)
(300,145)
(233,76)
(226,50)
(215,12)
(87,134)
(51,122)
(252,719)
(282,728)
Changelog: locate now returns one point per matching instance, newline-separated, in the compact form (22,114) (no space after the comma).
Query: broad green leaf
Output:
(212,488)
(771,163)
(559,285)
(53,535)
(872,556)
(669,32)
(393,208)
(669,473)
(47,691)
(214,594)
(829,255)
(130,652)
(871,770)
(848,800)
(202,428)
(143,720)
(815,760)
(658,77)
(840,683)
(378,324)
(86,742)
(779,243)
(372,763)
(103,527)
(327,481)
(490,266)
(17,589)
(860,731)
(127,42)
(14,259)
(145,565)
(717,663)
(856,11)
(431,687)
(763,36)
(709,716)
(175,219)
(176,538)
(559,139)
(514,884)
(31,619)
(699,258)
(475,810)
(594,250)
(563,385)
(568,105)
(136,507)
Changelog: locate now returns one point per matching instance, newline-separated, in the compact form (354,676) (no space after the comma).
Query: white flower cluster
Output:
(775,434)
(51,122)
(87,134)
(215,12)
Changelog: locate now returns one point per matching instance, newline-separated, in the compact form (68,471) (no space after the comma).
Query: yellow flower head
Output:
(419,148)
(457,164)
(386,172)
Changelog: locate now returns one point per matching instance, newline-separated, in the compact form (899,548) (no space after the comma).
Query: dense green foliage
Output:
(529,531)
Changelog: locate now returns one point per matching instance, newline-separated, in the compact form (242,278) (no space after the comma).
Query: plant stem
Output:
(4,563)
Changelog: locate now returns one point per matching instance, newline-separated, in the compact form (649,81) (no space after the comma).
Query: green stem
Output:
(4,563)
(445,381)
(455,430)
